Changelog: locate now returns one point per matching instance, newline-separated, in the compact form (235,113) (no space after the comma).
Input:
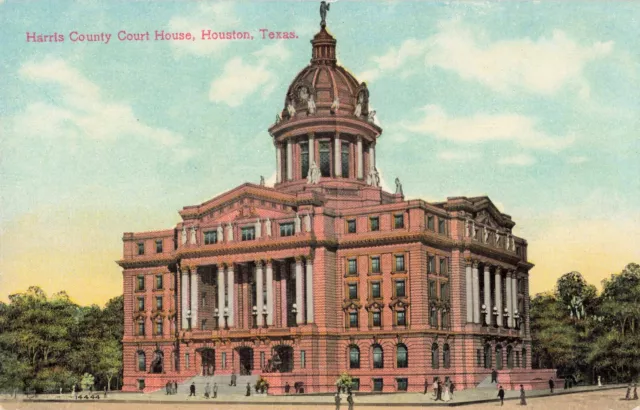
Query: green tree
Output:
(553,335)
(110,360)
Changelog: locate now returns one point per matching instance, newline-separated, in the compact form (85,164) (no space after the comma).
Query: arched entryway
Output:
(283,358)
(157,365)
(207,361)
(245,360)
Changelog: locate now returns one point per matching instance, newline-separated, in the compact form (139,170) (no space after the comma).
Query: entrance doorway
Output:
(245,356)
(284,356)
(208,359)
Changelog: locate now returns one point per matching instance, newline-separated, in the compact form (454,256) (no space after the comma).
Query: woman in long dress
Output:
(446,397)
(523,400)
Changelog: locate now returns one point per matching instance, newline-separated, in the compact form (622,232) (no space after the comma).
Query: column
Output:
(509,305)
(487,294)
(259,294)
(498,292)
(270,305)
(469,284)
(360,158)
(220,296)
(309,279)
(194,297)
(278,164)
(476,293)
(514,295)
(337,159)
(289,160)
(299,284)
(184,300)
(230,284)
(372,157)
(312,149)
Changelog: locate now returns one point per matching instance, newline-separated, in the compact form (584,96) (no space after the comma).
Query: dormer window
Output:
(248,233)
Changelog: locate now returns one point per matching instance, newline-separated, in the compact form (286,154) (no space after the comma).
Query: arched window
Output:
(509,357)
(142,362)
(402,356)
(524,358)
(499,357)
(435,356)
(354,357)
(378,358)
(446,356)
(487,356)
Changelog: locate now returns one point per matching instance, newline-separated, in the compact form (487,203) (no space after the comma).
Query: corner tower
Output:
(325,134)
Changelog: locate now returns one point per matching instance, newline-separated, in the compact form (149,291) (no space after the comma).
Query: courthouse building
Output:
(326,272)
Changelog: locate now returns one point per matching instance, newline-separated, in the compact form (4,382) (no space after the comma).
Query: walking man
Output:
(501,395)
(167,387)
(551,385)
(337,399)
(628,395)
(207,390)
(452,387)
(192,390)
(350,401)
(523,400)
(439,392)
(248,390)
(494,376)
(426,385)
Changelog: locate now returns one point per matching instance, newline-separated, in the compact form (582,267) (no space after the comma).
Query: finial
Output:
(324,7)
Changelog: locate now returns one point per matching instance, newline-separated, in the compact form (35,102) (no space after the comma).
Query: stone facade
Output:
(326,272)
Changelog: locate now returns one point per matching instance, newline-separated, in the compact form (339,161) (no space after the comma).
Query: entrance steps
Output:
(487,384)
(223,385)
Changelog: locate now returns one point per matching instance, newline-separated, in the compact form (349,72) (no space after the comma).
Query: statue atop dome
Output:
(324,7)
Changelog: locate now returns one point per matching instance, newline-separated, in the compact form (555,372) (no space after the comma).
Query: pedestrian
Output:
(628,396)
(234,380)
(207,391)
(215,390)
(439,393)
(248,393)
(426,385)
(287,387)
(501,395)
(446,396)
(435,388)
(337,399)
(75,392)
(105,391)
(350,401)
(192,390)
(599,382)
(552,384)
(167,387)
(523,400)
(566,383)
(452,387)
(635,391)
(175,387)
(494,376)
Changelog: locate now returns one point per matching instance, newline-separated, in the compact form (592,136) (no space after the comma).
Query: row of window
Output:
(375,289)
(158,305)
(158,247)
(324,161)
(158,283)
(158,327)
(402,356)
(484,358)
(399,318)
(399,265)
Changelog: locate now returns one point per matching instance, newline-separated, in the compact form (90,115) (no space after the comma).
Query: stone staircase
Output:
(487,384)
(223,385)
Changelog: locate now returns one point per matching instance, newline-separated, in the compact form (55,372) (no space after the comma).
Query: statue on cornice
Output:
(219,234)
(324,7)
(314,174)
(486,235)
(372,117)
(184,235)
(311,105)
(267,226)
(278,118)
(297,223)
(291,109)
(398,187)
(468,228)
(193,235)
(307,222)
(373,178)
(258,228)
(261,180)
(229,232)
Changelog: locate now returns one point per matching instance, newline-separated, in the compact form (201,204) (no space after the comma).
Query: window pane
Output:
(398,221)
(377,358)
(353,266)
(325,159)
(210,237)
(248,234)
(353,319)
(304,159)
(375,224)
(399,263)
(431,265)
(354,358)
(344,157)
(158,246)
(351,226)
(353,291)
(376,319)
(286,229)
(375,289)
(400,289)
(430,224)
(141,248)
(377,384)
(375,265)
(441,225)
(159,282)
(401,318)
(402,383)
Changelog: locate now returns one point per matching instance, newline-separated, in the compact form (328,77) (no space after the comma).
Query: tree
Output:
(87,381)
(110,360)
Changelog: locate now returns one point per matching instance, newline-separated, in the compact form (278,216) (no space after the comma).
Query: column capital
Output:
(359,137)
(259,263)
(487,267)
(309,259)
(228,264)
(311,134)
(298,258)
(192,267)
(475,263)
(498,269)
(467,260)
(268,262)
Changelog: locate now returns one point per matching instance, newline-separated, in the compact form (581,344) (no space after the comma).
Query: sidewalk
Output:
(465,397)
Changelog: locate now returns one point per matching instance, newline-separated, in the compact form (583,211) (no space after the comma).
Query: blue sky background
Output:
(532,103)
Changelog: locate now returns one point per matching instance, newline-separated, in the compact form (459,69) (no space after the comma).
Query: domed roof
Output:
(334,90)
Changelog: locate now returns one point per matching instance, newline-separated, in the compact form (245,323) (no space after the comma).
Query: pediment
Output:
(486,213)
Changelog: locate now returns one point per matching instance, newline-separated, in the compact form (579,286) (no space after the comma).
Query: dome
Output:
(335,91)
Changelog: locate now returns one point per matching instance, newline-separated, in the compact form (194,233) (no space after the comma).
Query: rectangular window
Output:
(375,264)
(304,159)
(140,282)
(399,263)
(303,359)
(433,317)
(141,328)
(355,384)
(375,290)
(286,229)
(376,319)
(377,384)
(432,290)
(159,246)
(444,291)
(140,248)
(353,291)
(210,237)
(325,158)
(403,384)
(203,324)
(187,360)
(224,360)
(401,318)
(159,327)
(444,319)
(141,385)
(443,266)
(375,223)
(140,304)
(248,233)
(159,283)
(353,319)
(351,226)
(344,158)
(159,302)
(441,225)
(431,264)
(398,221)
(400,289)
(478,358)
(430,224)
(353,267)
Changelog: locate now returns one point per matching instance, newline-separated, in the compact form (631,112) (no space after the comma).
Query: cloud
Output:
(577,160)
(480,128)
(239,80)
(460,156)
(275,51)
(519,160)
(81,112)
(540,66)
(219,16)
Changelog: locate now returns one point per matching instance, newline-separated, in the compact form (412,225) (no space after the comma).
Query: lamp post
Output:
(506,318)
(294,311)
(189,320)
(264,317)
(216,317)
(226,318)
(485,313)
(496,314)
(255,316)
(516,318)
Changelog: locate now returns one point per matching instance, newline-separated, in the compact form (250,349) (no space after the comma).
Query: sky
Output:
(534,104)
